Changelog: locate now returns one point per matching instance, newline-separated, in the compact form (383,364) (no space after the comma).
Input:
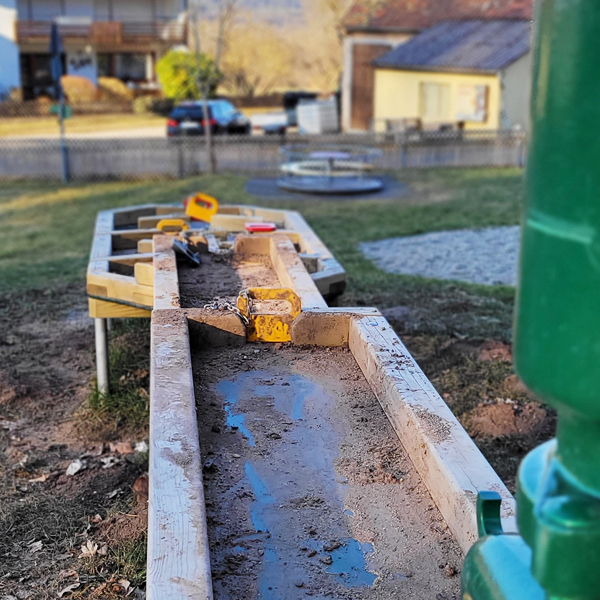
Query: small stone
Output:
(274,435)
(299,584)
(326,560)
(312,553)
(449,571)
(236,456)
(140,489)
(210,466)
(332,546)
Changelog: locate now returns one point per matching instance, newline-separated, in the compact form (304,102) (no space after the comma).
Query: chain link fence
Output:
(113,159)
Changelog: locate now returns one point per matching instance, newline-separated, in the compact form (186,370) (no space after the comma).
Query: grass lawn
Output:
(48,126)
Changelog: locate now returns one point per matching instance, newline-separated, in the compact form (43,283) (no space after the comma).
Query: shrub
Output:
(151,104)
(163,106)
(143,105)
(113,89)
(179,72)
(79,90)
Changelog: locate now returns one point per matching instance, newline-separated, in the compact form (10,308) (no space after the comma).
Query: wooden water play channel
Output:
(321,465)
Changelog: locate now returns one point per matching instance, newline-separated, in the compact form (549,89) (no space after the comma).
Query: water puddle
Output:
(230,391)
(298,500)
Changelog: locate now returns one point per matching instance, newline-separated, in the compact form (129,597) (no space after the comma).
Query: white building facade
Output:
(101,38)
(10,75)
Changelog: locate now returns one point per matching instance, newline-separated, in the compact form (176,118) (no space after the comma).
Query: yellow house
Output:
(472,74)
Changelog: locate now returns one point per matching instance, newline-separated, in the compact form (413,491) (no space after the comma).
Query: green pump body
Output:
(557,334)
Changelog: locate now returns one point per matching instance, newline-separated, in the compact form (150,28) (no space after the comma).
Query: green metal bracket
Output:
(488,514)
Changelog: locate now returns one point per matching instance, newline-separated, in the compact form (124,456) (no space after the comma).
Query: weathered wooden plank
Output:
(449,463)
(145,246)
(116,287)
(178,552)
(233,223)
(166,282)
(101,309)
(292,273)
(144,273)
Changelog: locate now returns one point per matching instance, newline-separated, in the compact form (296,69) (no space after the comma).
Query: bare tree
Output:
(225,19)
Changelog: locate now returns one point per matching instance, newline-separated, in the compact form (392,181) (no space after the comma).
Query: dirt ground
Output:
(46,516)
(309,492)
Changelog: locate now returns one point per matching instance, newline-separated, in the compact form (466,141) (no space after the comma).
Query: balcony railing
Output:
(105,32)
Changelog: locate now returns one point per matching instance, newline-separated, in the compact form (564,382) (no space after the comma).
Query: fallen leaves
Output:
(90,549)
(35,547)
(121,448)
(141,447)
(74,468)
(68,589)
(109,462)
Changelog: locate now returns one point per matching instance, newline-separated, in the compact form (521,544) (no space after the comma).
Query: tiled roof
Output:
(414,15)
(465,46)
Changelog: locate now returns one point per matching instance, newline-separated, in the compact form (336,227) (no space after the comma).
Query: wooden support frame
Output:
(120,245)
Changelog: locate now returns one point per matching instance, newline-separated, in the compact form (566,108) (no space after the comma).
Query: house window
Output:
(472,103)
(131,67)
(435,102)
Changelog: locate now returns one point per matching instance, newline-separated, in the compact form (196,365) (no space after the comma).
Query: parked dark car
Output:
(188,119)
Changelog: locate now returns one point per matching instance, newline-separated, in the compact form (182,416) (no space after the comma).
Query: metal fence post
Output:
(180,159)
(102,367)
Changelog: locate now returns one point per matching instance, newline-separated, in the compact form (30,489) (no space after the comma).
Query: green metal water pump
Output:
(557,337)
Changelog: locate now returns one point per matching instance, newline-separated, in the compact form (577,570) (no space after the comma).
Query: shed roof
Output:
(474,45)
(415,15)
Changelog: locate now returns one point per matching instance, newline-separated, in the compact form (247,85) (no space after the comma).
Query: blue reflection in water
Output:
(262,497)
(230,391)
(349,562)
(311,450)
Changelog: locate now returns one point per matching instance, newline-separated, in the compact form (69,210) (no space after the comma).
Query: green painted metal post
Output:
(557,339)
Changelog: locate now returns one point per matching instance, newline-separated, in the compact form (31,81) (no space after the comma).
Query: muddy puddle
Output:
(308,491)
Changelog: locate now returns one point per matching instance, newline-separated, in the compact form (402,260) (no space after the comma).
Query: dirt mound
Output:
(494,350)
(506,418)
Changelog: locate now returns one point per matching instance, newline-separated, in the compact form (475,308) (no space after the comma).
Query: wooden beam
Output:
(233,223)
(166,280)
(292,272)
(144,273)
(101,309)
(178,551)
(448,461)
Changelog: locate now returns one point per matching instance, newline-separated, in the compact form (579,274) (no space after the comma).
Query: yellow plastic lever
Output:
(269,327)
(201,207)
(172,225)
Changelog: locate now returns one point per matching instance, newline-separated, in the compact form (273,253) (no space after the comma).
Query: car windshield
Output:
(223,110)
(188,112)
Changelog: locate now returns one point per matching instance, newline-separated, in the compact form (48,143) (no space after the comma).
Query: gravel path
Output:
(486,256)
